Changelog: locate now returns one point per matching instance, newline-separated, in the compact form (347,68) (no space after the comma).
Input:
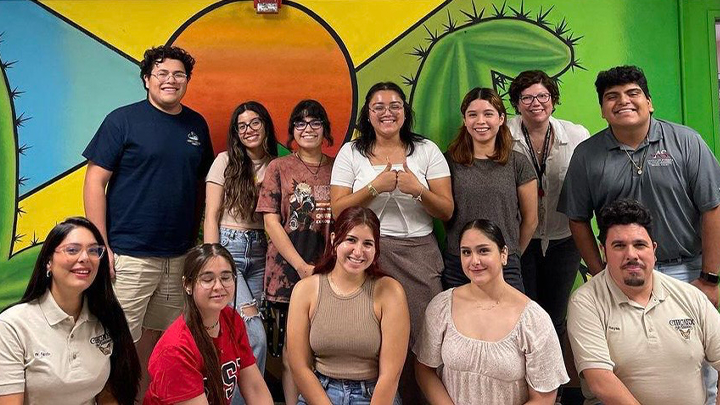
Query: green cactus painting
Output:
(487,51)
(15,270)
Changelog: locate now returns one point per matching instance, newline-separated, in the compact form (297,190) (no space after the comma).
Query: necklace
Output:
(338,290)
(212,327)
(638,167)
(496,303)
(317,169)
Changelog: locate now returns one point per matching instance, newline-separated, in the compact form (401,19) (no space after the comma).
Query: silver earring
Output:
(48,274)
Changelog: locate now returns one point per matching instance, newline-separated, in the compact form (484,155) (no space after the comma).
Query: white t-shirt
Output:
(400,214)
(50,357)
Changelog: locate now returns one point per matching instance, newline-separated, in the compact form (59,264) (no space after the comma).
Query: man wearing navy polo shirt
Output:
(665,166)
(146,165)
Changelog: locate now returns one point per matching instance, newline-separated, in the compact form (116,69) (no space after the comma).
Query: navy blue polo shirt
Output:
(158,161)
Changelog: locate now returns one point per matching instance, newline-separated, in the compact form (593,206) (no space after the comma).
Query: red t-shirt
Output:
(176,366)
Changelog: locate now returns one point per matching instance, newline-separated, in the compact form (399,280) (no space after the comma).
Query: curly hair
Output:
(618,76)
(624,211)
(159,54)
(527,79)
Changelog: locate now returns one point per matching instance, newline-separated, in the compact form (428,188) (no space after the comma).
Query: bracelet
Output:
(373,190)
(419,196)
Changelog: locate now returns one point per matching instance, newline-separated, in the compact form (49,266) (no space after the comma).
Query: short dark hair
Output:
(529,78)
(487,228)
(160,53)
(308,108)
(618,76)
(624,211)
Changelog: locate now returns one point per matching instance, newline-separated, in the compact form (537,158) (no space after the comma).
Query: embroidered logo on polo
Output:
(660,159)
(684,326)
(40,354)
(193,139)
(102,342)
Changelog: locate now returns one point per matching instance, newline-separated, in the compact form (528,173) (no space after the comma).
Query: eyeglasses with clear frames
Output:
(207,280)
(73,250)
(381,108)
(314,124)
(164,75)
(254,124)
(527,99)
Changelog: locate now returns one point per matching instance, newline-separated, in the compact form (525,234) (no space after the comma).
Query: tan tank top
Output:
(345,334)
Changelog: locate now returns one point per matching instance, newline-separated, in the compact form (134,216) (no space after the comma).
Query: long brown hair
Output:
(241,192)
(195,261)
(461,148)
(346,221)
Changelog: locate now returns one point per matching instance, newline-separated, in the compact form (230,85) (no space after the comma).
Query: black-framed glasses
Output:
(381,108)
(254,124)
(207,281)
(73,250)
(164,75)
(527,99)
(301,125)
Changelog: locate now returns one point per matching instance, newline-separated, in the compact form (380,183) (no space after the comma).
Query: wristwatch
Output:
(709,277)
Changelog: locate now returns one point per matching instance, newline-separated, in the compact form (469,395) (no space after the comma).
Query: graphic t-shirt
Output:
(300,194)
(176,367)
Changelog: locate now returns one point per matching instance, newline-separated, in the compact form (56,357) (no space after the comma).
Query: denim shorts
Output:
(348,392)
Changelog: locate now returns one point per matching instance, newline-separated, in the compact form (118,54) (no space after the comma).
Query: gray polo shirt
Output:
(680,181)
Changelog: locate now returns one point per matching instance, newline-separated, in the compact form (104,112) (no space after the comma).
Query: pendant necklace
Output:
(212,327)
(638,167)
(317,169)
(496,303)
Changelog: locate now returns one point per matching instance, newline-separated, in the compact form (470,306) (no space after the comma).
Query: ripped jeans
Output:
(248,248)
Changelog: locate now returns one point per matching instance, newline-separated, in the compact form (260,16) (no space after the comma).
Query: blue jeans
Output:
(248,250)
(347,392)
(688,270)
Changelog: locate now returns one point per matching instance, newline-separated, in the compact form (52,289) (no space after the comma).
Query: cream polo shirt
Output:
(552,225)
(399,213)
(656,351)
(50,358)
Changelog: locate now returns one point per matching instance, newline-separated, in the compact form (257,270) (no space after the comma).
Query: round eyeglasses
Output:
(207,281)
(254,124)
(381,108)
(164,75)
(528,99)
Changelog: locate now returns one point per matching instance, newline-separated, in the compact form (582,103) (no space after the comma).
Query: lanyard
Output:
(539,166)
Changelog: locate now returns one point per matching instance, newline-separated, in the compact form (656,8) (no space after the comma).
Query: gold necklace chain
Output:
(639,168)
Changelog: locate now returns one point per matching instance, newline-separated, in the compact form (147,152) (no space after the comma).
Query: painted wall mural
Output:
(66,64)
